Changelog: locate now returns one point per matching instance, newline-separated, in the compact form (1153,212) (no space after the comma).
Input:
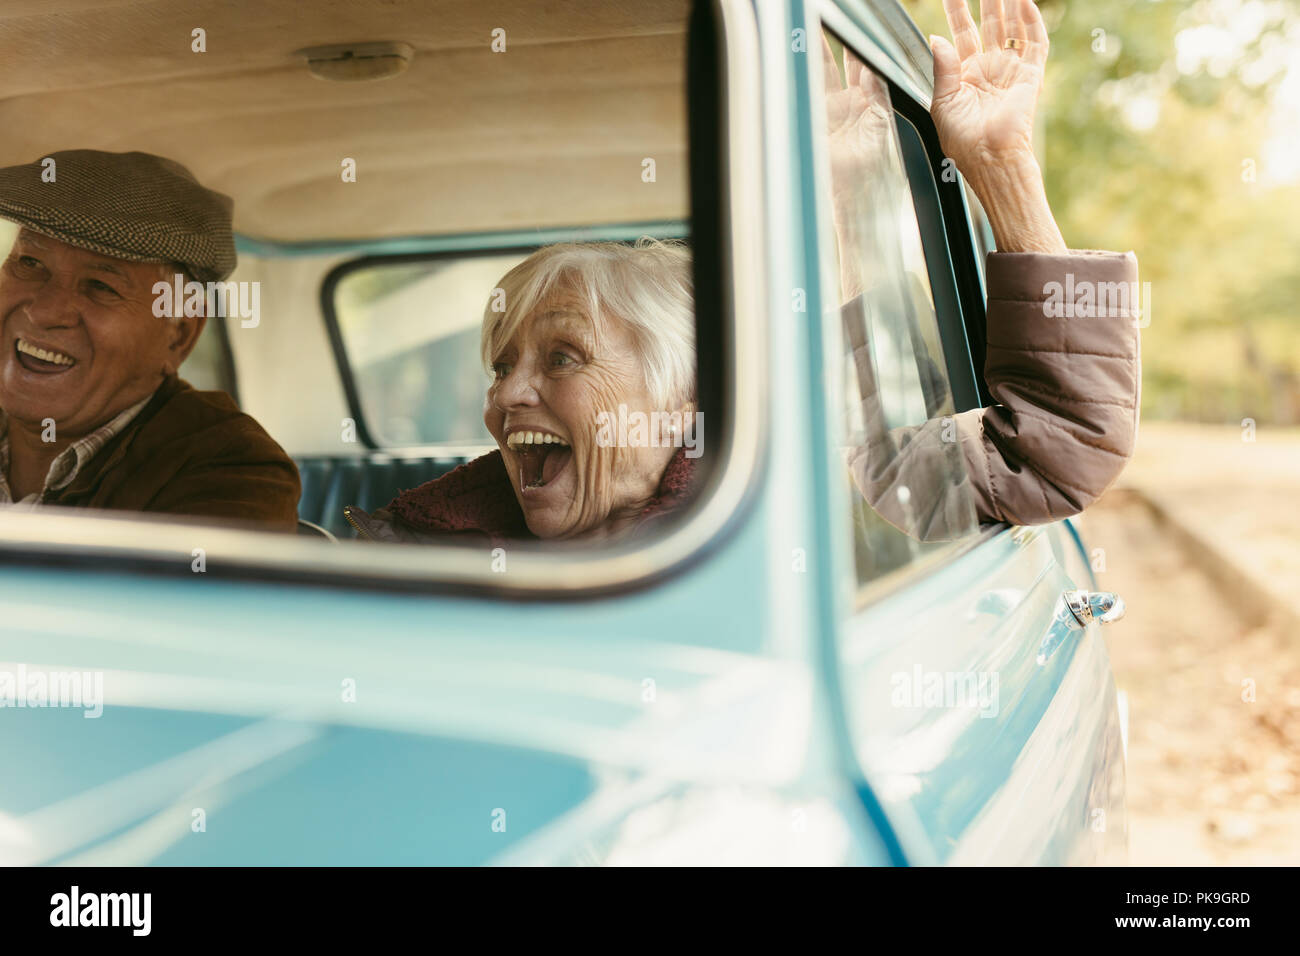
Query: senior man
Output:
(92,413)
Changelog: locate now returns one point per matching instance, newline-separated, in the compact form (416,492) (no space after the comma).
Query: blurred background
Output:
(1172,128)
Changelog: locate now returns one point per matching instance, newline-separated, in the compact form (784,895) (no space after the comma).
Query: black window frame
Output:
(941,267)
(956,230)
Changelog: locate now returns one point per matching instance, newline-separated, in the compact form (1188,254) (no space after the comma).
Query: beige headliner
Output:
(552,132)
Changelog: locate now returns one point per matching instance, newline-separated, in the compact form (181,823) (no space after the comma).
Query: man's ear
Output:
(183,334)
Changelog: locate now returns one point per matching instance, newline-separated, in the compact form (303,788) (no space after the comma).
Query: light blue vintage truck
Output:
(781,677)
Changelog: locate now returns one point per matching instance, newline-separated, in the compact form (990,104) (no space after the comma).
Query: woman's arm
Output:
(1064,422)
(1062,344)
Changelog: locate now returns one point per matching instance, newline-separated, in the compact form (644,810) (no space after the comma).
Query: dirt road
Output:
(1213,775)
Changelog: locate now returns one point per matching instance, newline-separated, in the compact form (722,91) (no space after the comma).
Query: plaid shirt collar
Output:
(70,461)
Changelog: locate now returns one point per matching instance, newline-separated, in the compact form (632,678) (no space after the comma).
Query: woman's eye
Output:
(500,370)
(559,359)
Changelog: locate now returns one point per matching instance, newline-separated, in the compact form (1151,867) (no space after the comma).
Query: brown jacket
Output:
(190,453)
(1065,418)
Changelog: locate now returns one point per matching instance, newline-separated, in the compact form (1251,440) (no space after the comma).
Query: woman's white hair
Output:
(646,285)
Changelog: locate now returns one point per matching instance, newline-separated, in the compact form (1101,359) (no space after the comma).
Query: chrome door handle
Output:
(1100,606)
(1076,611)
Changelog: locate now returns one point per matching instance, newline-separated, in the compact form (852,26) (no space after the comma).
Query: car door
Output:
(979,711)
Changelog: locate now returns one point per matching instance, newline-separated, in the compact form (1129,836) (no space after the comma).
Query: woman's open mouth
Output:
(541,456)
(44,361)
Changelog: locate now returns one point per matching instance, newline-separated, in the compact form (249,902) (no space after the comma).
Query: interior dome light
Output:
(354,62)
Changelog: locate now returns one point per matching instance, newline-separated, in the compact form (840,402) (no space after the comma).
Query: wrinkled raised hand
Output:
(984,100)
(858,125)
(858,120)
(985,95)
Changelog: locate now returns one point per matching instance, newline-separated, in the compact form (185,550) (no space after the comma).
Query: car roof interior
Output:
(551,132)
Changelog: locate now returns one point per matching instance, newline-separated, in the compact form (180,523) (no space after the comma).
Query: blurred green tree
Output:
(1172,127)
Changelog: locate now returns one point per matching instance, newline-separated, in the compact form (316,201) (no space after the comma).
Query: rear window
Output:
(407,335)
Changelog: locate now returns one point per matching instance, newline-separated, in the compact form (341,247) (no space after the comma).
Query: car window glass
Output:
(898,451)
(410,334)
(415,195)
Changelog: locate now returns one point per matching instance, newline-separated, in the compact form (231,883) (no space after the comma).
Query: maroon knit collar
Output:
(478,496)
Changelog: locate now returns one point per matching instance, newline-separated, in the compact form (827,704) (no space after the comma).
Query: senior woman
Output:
(592,336)
(593,328)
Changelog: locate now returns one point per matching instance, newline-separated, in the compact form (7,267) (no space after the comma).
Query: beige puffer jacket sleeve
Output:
(1066,385)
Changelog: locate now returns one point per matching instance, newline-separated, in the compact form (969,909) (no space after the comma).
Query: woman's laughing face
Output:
(551,381)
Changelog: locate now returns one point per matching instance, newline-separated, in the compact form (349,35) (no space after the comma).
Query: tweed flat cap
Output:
(133,206)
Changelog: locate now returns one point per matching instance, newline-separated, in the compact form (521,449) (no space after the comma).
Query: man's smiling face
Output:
(79,341)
